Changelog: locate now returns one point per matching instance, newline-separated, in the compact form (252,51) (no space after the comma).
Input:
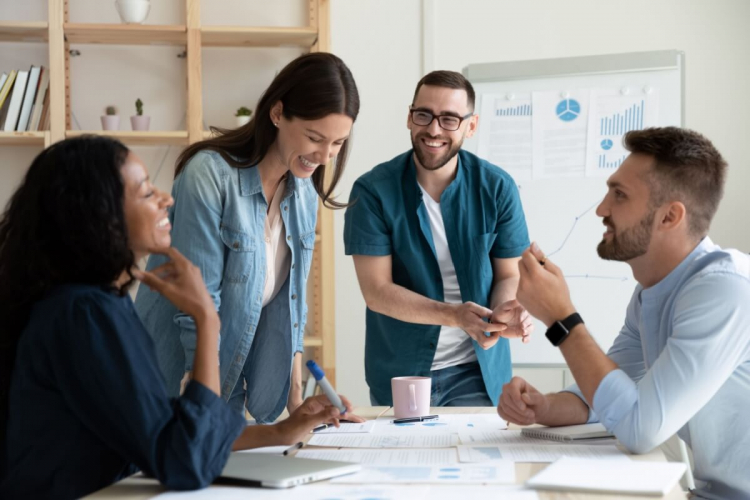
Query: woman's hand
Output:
(180,281)
(313,412)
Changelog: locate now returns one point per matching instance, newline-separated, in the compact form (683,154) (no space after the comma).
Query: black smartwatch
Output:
(559,330)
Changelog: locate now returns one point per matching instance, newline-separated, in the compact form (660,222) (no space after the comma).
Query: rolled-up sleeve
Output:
(116,390)
(365,230)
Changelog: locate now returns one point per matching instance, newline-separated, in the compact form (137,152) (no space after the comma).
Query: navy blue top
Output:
(88,405)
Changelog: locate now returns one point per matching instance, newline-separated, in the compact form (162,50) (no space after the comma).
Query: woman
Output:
(245,211)
(82,400)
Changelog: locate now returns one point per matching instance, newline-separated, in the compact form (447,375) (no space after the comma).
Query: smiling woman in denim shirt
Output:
(245,212)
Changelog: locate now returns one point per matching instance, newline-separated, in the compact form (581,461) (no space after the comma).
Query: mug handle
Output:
(412,397)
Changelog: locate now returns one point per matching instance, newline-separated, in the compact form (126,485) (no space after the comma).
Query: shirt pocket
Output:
(482,246)
(307,246)
(239,260)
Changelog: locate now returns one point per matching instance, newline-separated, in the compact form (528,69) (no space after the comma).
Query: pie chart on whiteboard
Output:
(568,110)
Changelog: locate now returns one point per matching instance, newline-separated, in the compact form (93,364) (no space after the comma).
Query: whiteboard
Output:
(560,212)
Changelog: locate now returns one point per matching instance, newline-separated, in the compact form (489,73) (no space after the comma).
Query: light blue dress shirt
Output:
(218,222)
(684,367)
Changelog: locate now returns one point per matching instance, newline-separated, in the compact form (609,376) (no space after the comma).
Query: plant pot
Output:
(140,122)
(133,11)
(242,120)
(110,122)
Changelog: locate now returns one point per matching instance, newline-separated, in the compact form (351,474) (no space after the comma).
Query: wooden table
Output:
(137,488)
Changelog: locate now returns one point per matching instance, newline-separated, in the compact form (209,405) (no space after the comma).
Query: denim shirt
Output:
(483,219)
(218,221)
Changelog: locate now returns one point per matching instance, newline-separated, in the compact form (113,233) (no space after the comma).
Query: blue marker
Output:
(320,377)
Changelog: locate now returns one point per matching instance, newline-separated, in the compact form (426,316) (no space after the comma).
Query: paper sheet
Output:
(318,491)
(430,456)
(613,113)
(384,441)
(499,472)
(559,128)
(505,133)
(479,492)
(272,450)
(445,424)
(349,428)
(536,452)
(635,477)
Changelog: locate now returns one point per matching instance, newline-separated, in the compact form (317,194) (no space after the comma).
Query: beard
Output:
(630,243)
(438,162)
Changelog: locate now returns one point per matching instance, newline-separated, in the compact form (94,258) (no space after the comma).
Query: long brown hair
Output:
(310,87)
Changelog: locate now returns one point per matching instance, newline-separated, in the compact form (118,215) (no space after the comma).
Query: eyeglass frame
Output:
(434,116)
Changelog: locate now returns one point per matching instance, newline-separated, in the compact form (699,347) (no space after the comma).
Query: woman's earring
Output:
(276,124)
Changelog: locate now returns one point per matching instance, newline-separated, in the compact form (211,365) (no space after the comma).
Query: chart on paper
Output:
(613,113)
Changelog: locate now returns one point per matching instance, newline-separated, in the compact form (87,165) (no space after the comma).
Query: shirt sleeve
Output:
(709,340)
(196,234)
(365,229)
(103,359)
(512,233)
(626,352)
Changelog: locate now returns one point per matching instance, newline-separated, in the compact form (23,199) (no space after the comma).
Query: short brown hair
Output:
(448,79)
(687,168)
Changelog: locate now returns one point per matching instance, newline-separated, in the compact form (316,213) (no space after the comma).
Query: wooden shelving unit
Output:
(59,34)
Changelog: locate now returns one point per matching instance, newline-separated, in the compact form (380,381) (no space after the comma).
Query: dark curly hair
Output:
(64,224)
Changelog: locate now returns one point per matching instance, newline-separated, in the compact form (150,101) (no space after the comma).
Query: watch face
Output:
(556,333)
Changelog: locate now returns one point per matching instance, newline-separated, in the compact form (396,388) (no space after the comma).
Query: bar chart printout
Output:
(505,133)
(613,114)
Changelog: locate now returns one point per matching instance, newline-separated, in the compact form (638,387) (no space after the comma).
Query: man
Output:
(436,234)
(681,362)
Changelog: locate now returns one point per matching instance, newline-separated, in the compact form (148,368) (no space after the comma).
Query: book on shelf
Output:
(44,120)
(16,99)
(4,93)
(28,98)
(36,113)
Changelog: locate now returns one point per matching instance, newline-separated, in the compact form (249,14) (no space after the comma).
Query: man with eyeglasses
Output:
(436,234)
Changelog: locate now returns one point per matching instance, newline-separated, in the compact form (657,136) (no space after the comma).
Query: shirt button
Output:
(294,296)
(268,240)
(292,265)
(286,207)
(236,245)
(288,237)
(296,325)
(432,345)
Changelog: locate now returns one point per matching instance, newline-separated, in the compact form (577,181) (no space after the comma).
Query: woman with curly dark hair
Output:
(82,400)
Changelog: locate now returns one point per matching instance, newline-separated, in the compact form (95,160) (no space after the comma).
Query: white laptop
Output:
(274,471)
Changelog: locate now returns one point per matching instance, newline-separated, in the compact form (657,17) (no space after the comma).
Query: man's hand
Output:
(520,403)
(542,289)
(516,319)
(469,317)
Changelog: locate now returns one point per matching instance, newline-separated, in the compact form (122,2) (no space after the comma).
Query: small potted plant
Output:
(138,121)
(110,120)
(133,11)
(243,116)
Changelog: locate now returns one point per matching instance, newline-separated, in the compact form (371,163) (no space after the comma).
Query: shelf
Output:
(23,31)
(176,138)
(23,138)
(313,342)
(126,34)
(236,36)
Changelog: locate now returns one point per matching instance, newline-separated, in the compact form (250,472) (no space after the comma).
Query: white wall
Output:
(381,42)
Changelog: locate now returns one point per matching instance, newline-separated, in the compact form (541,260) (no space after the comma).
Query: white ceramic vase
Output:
(242,120)
(133,11)
(110,122)
(141,122)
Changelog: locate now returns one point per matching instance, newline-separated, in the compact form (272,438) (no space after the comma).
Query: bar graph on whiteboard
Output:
(613,113)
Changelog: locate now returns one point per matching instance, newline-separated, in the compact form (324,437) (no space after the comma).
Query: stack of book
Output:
(24,100)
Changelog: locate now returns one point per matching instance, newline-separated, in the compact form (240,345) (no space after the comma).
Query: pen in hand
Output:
(325,386)
(292,448)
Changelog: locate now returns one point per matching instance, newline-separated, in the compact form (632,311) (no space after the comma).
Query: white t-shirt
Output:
(278,256)
(454,345)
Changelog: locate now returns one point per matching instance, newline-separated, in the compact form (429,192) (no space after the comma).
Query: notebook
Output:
(601,476)
(568,432)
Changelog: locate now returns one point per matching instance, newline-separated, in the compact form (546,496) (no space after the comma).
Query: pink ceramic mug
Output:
(411,396)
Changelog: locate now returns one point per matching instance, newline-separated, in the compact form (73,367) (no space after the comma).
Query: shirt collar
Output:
(411,173)
(251,184)
(668,283)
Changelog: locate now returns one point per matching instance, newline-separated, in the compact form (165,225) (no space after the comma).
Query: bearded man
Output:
(436,234)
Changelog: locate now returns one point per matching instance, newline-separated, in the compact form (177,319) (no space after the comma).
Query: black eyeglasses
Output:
(423,118)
